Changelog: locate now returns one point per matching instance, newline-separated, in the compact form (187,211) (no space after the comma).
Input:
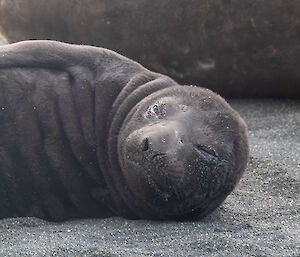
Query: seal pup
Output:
(86,132)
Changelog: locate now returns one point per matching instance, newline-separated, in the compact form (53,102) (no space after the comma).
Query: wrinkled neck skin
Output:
(140,86)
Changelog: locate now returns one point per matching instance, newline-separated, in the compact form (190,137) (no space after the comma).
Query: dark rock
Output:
(238,48)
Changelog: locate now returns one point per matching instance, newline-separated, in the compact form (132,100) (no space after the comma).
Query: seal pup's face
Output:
(177,152)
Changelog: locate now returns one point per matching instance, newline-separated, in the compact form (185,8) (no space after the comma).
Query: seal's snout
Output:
(161,139)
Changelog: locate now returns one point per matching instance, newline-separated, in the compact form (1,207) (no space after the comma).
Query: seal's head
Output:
(182,150)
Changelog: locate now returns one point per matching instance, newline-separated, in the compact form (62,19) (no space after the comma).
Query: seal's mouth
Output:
(160,166)
(165,182)
(150,160)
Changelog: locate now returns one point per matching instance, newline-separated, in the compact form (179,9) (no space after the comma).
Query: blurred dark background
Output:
(248,48)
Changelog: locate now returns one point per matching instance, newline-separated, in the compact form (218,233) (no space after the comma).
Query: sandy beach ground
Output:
(260,218)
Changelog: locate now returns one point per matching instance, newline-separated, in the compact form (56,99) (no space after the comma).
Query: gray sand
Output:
(260,218)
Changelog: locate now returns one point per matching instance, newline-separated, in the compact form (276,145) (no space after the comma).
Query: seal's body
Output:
(85,132)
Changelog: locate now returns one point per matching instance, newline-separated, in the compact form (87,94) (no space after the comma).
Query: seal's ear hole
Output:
(145,144)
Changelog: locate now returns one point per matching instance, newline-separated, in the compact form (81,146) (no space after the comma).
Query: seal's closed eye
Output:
(208,154)
(205,149)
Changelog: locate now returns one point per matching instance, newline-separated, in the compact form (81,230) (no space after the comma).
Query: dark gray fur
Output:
(61,111)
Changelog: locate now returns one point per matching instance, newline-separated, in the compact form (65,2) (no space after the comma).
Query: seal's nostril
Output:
(145,144)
